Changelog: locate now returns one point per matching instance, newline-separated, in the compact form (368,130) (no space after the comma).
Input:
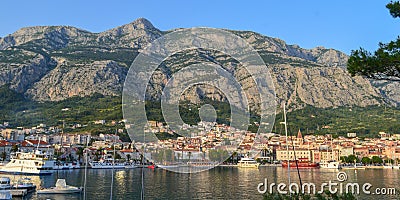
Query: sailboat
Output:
(296,163)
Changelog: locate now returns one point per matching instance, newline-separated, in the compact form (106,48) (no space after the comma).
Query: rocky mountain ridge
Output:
(51,63)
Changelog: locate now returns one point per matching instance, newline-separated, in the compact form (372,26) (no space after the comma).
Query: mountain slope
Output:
(52,63)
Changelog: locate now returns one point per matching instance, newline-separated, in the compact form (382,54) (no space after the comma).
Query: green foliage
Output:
(349,159)
(218,154)
(376,160)
(14,148)
(18,111)
(166,136)
(84,54)
(384,62)
(366,160)
(365,121)
(394,8)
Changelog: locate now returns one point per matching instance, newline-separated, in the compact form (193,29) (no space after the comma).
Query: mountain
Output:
(53,63)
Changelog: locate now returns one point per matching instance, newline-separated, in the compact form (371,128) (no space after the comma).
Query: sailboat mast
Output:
(86,163)
(287,142)
(113,164)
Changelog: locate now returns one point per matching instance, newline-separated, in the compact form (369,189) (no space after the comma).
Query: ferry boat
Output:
(248,163)
(37,163)
(330,164)
(301,163)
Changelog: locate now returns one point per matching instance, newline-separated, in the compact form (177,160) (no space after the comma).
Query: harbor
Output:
(163,184)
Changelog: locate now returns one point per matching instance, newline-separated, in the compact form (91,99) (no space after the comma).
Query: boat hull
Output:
(299,164)
(57,191)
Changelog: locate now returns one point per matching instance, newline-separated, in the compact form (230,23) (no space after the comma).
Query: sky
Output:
(341,24)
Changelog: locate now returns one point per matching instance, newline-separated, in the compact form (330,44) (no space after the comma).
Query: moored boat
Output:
(5,183)
(25,183)
(330,164)
(60,188)
(106,164)
(5,195)
(248,163)
(37,163)
(300,163)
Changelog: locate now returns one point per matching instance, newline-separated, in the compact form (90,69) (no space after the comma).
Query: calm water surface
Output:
(218,183)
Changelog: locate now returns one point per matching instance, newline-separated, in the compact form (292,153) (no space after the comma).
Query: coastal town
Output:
(266,148)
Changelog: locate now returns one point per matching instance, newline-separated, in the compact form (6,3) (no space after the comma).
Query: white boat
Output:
(248,163)
(5,183)
(60,188)
(131,165)
(5,195)
(106,164)
(66,165)
(330,164)
(37,162)
(25,183)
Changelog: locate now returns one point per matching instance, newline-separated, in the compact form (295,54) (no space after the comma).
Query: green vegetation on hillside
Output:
(368,121)
(18,111)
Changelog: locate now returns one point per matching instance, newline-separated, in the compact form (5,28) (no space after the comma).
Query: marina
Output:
(163,184)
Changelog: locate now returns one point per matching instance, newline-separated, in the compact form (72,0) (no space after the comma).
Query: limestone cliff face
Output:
(50,63)
(20,69)
(323,87)
(104,77)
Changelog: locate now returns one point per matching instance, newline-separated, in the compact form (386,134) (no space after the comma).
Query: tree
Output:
(79,153)
(343,159)
(377,160)
(384,63)
(3,156)
(14,148)
(351,159)
(365,160)
(394,8)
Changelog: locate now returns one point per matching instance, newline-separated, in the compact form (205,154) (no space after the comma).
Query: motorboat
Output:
(5,183)
(5,195)
(248,163)
(25,183)
(60,188)
(37,162)
(330,164)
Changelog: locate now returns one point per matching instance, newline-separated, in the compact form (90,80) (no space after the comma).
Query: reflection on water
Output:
(218,183)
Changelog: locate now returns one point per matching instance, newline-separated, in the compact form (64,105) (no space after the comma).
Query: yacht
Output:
(60,188)
(331,164)
(248,163)
(37,163)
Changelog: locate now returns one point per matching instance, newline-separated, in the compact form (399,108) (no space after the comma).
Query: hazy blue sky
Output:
(339,24)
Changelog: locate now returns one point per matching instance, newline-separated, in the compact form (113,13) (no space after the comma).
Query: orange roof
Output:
(126,151)
(35,142)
